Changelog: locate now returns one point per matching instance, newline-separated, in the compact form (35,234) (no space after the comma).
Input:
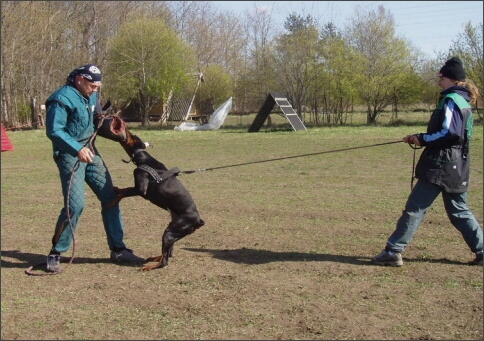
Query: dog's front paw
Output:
(113,202)
(151,267)
(156,259)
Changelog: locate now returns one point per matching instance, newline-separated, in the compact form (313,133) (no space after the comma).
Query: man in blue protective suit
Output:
(70,126)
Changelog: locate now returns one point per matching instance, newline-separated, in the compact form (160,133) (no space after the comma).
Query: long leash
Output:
(287,157)
(414,147)
(61,227)
(58,232)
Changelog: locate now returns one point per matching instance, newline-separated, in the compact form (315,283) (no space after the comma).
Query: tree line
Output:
(149,50)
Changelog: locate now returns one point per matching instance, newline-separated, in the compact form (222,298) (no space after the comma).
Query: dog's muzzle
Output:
(110,127)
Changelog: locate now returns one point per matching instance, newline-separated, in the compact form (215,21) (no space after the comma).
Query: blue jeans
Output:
(422,196)
(97,176)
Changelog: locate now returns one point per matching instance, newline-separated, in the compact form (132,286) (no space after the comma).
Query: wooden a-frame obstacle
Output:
(180,108)
(286,107)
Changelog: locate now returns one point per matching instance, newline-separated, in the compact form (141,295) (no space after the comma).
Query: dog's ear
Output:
(106,106)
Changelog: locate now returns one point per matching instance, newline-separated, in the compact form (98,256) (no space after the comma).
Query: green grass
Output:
(284,253)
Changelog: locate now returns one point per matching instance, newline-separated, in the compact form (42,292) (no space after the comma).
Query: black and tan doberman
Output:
(154,182)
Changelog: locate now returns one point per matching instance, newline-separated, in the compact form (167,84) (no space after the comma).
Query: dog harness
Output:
(164,174)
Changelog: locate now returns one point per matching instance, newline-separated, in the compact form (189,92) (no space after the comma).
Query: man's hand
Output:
(85,155)
(413,139)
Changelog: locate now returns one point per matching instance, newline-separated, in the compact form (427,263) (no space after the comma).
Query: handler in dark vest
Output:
(443,168)
(70,125)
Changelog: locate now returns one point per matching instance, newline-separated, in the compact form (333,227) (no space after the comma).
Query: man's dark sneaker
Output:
(53,263)
(126,256)
(388,258)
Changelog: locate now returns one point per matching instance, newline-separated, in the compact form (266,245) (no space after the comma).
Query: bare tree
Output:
(217,39)
(385,63)
(29,50)
(297,58)
(38,53)
(258,71)
(469,48)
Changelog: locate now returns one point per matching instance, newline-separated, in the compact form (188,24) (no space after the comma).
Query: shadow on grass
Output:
(254,256)
(37,261)
(240,256)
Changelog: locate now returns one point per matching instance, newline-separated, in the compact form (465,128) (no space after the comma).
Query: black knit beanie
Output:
(453,69)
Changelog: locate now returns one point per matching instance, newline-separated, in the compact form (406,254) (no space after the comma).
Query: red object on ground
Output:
(6,144)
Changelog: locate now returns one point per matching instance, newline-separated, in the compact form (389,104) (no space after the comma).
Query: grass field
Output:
(285,252)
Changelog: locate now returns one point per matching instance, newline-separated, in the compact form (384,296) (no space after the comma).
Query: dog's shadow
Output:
(254,256)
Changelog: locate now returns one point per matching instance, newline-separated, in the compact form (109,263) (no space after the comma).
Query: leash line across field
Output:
(287,157)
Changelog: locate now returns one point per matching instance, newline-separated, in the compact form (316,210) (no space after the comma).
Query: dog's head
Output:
(115,129)
(132,144)
(110,127)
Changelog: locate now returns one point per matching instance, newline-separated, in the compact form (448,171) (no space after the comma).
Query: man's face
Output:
(85,87)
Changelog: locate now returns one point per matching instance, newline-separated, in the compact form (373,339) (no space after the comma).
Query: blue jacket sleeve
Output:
(449,133)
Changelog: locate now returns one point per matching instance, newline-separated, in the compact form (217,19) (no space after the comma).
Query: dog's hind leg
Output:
(172,234)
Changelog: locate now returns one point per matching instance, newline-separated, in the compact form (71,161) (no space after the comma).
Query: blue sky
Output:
(431,26)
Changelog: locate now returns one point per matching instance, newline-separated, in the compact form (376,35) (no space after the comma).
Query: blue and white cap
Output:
(89,72)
